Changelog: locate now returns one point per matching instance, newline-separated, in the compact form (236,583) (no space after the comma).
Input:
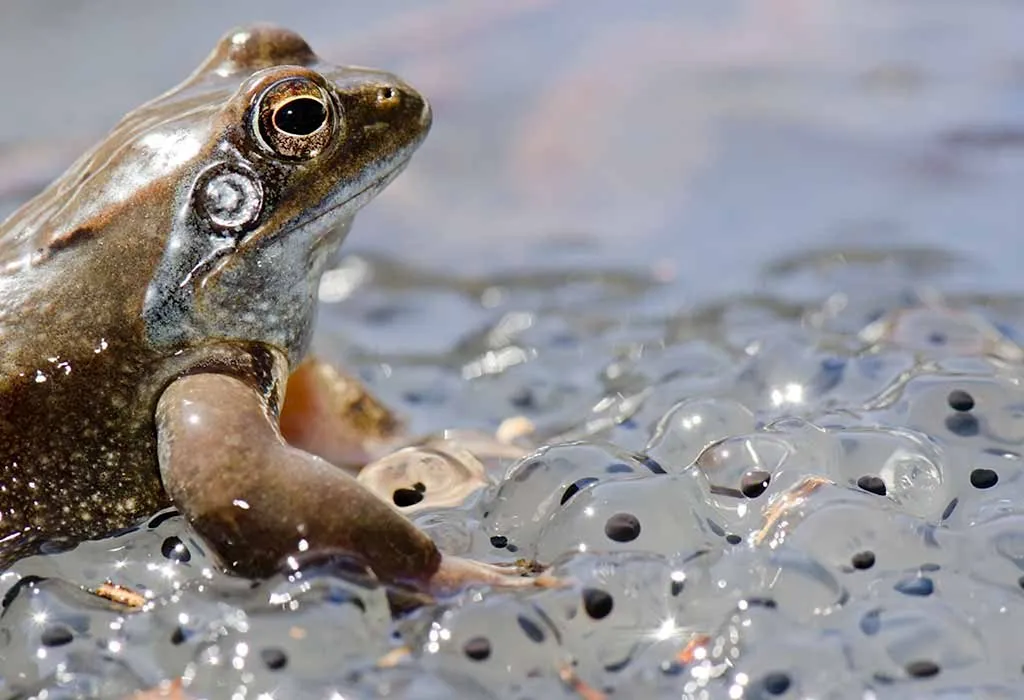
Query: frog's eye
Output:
(295,119)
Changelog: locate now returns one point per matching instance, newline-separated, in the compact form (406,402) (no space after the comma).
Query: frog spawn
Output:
(818,518)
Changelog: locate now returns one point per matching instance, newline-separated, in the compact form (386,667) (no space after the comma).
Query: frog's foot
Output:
(456,573)
(332,415)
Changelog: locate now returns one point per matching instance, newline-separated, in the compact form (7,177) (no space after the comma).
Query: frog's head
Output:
(287,154)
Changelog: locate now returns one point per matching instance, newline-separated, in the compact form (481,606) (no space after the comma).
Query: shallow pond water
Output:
(745,269)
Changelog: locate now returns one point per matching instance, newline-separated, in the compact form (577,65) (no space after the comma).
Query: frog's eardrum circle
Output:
(295,119)
(230,195)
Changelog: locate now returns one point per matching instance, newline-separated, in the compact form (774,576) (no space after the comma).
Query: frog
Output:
(156,298)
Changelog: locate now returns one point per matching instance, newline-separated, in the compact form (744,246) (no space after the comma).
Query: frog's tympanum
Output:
(154,299)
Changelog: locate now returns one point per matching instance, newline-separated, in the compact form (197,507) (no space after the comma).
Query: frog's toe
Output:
(332,415)
(456,573)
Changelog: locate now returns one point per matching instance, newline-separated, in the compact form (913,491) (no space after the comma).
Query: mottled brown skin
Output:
(131,379)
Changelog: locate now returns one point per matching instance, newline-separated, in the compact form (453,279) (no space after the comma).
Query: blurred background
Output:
(696,140)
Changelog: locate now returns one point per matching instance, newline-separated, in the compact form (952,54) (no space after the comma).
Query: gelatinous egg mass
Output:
(772,500)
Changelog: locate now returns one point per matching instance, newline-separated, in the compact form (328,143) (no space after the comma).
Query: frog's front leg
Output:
(256,499)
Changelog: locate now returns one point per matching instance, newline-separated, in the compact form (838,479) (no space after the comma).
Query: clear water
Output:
(765,497)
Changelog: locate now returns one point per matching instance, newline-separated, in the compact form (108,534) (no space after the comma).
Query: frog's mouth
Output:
(347,207)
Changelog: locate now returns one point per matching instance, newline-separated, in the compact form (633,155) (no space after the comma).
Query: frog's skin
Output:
(155,297)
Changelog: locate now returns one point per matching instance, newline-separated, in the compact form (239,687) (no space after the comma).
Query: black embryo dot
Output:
(922,669)
(178,635)
(56,636)
(274,658)
(754,483)
(175,550)
(863,560)
(531,629)
(872,484)
(622,527)
(984,478)
(477,648)
(597,603)
(404,498)
(960,400)
(776,683)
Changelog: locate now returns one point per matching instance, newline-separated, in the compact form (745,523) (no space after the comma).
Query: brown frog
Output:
(154,299)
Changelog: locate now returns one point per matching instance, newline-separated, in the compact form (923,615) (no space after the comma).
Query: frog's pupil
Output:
(300,117)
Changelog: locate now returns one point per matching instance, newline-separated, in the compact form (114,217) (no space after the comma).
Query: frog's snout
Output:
(419,109)
(426,115)
(401,107)
(388,111)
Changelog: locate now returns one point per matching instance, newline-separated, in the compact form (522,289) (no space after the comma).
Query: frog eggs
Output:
(836,512)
